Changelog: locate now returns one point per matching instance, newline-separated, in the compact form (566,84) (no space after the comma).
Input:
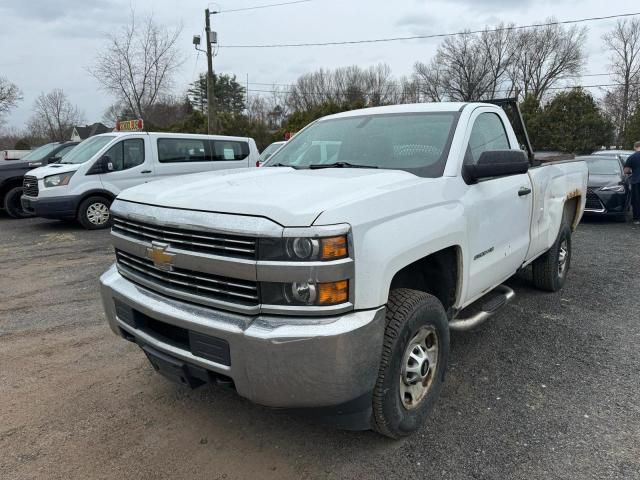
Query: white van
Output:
(83,185)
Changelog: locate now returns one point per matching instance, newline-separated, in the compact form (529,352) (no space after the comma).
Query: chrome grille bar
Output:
(198,241)
(195,283)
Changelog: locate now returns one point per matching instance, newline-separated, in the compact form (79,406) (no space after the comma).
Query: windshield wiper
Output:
(317,166)
(282,165)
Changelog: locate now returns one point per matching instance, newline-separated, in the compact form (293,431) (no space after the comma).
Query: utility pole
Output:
(211,99)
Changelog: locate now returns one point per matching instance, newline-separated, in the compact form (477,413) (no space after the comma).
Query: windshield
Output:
(603,166)
(267,152)
(87,149)
(622,154)
(414,142)
(40,152)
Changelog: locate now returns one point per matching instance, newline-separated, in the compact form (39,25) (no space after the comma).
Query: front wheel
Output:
(94,213)
(551,269)
(13,206)
(413,364)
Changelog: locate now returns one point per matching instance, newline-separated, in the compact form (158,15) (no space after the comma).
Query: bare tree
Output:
(429,80)
(54,116)
(270,110)
(10,95)
(624,43)
(354,85)
(407,91)
(545,56)
(499,49)
(137,63)
(465,74)
(468,67)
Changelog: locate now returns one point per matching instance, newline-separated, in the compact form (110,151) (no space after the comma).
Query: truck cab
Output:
(330,278)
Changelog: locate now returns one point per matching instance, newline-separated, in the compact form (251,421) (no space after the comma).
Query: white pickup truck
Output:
(329,279)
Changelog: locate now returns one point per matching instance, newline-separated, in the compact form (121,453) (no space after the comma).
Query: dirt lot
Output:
(550,388)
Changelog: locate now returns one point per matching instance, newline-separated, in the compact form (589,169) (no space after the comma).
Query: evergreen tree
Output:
(230,95)
(573,122)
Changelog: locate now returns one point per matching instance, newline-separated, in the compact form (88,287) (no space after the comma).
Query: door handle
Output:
(145,171)
(524,191)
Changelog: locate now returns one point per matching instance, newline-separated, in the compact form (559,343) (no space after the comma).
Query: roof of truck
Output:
(408,108)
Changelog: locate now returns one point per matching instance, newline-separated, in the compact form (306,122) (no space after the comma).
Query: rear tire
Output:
(13,206)
(551,269)
(414,360)
(94,214)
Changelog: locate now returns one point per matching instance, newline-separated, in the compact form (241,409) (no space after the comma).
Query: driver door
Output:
(129,165)
(498,210)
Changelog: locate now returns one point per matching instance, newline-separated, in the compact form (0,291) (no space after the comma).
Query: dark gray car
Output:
(12,173)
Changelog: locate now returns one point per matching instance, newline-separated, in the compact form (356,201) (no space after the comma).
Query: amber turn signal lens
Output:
(334,248)
(333,293)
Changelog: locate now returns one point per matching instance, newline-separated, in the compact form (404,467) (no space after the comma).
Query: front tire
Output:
(551,269)
(414,360)
(94,213)
(13,206)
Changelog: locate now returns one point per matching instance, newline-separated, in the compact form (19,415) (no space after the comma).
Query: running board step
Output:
(475,315)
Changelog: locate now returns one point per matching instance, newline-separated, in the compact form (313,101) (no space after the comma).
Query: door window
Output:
(126,154)
(228,150)
(488,133)
(178,150)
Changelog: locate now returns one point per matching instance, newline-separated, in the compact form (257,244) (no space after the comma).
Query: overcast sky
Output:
(47,44)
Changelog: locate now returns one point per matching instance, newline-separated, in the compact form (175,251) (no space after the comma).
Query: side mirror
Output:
(54,159)
(105,164)
(496,163)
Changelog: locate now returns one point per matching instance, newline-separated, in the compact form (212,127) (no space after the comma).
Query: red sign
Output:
(129,125)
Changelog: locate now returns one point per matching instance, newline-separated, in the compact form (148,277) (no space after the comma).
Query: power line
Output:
(263,6)
(437,35)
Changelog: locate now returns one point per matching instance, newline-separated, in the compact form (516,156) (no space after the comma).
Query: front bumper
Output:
(604,203)
(54,207)
(277,361)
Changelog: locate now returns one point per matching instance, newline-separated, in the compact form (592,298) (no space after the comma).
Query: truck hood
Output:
(293,198)
(19,164)
(54,169)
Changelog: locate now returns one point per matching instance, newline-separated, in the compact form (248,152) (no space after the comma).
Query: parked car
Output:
(333,283)
(621,154)
(50,152)
(13,154)
(267,152)
(83,185)
(608,189)
(12,175)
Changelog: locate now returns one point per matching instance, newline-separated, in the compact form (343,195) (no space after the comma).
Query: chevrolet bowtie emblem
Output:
(161,259)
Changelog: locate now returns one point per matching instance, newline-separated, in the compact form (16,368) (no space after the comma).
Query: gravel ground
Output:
(549,388)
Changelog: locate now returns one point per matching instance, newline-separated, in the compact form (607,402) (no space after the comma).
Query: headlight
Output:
(58,180)
(613,188)
(303,249)
(305,293)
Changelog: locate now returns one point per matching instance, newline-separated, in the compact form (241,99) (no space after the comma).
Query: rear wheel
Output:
(12,204)
(551,269)
(413,364)
(94,213)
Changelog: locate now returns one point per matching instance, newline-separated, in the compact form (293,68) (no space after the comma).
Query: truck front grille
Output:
(30,186)
(189,282)
(191,240)
(593,201)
